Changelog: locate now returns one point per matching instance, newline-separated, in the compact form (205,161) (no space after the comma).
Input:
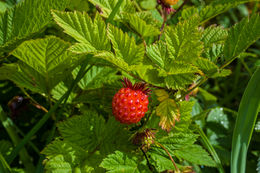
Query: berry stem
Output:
(174,164)
(164,16)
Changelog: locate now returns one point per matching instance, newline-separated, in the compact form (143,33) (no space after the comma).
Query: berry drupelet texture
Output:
(130,103)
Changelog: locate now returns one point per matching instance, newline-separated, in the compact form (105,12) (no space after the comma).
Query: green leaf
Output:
(43,64)
(70,152)
(158,54)
(90,131)
(91,35)
(161,94)
(120,162)
(107,7)
(140,26)
(214,52)
(114,60)
(178,139)
(179,74)
(25,19)
(169,113)
(195,154)
(125,46)
(185,116)
(58,165)
(214,34)
(212,10)
(246,118)
(96,77)
(59,90)
(74,130)
(241,36)
(183,40)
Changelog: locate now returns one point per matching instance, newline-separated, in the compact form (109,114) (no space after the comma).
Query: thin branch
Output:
(35,103)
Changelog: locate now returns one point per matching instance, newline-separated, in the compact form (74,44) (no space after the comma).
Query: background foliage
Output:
(62,61)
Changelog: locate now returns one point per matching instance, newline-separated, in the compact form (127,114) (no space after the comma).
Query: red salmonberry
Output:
(130,103)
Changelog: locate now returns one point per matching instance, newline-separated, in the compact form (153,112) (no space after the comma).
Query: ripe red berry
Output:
(130,103)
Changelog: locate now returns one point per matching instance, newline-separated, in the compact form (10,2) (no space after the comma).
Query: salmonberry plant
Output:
(113,82)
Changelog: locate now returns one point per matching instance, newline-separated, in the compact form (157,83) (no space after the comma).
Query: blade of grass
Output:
(247,114)
(4,167)
(204,140)
(114,11)
(36,127)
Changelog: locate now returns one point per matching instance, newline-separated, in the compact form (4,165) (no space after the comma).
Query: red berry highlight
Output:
(130,103)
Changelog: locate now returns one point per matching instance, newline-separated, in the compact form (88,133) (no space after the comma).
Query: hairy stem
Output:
(173,162)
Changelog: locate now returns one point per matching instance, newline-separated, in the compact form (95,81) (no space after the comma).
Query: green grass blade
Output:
(206,144)
(4,167)
(247,114)
(115,10)
(29,135)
